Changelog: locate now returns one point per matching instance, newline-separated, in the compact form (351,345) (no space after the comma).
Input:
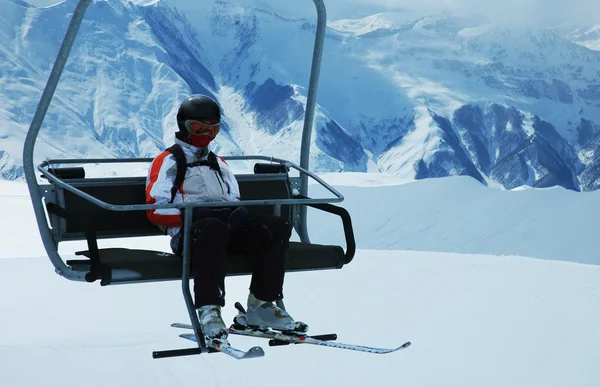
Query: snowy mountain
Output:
(406,94)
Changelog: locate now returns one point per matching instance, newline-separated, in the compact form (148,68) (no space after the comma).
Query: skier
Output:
(217,231)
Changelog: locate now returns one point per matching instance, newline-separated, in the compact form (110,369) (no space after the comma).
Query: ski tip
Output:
(254,352)
(405,345)
(189,336)
(181,325)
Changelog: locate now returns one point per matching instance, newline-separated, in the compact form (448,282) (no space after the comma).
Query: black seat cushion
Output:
(144,265)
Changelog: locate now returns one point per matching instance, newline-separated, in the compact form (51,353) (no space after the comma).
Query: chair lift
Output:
(73,207)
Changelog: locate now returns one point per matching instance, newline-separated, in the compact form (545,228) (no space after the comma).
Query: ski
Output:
(279,338)
(223,346)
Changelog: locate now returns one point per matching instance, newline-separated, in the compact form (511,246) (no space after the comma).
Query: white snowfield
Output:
(458,214)
(473,319)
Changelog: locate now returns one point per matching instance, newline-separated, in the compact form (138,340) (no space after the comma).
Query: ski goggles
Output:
(199,128)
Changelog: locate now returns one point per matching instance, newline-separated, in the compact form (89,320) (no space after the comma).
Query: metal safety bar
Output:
(44,168)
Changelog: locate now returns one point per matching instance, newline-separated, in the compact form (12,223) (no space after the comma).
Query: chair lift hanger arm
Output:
(311,101)
(36,123)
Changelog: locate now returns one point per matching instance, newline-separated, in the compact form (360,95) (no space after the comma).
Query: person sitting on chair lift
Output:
(189,172)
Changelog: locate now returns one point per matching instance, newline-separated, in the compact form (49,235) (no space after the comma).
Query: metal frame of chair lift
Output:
(40,193)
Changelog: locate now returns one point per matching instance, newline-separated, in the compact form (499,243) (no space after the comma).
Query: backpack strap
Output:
(211,162)
(182,166)
(181,163)
(212,159)
(214,164)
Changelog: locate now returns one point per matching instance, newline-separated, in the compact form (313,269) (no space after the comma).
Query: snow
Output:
(372,23)
(460,215)
(474,319)
(475,31)
(587,37)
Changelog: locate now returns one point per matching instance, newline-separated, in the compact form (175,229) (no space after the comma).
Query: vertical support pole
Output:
(310,113)
(32,133)
(185,272)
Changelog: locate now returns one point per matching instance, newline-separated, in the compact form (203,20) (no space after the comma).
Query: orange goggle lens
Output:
(198,128)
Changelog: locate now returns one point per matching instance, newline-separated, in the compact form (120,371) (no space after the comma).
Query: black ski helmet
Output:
(196,107)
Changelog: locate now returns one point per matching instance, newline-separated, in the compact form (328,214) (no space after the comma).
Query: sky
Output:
(546,12)
(474,320)
(525,11)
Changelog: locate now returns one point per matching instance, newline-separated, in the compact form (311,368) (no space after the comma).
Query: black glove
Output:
(238,219)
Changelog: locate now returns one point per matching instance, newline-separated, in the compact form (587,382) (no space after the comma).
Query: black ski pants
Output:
(264,240)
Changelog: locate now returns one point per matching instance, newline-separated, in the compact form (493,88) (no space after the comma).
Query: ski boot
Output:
(211,322)
(264,315)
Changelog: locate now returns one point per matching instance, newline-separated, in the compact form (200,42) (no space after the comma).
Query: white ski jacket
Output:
(201,184)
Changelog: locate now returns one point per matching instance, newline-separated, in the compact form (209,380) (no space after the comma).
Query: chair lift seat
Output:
(122,265)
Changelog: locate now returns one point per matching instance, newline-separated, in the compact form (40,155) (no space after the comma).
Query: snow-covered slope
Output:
(456,214)
(410,95)
(473,320)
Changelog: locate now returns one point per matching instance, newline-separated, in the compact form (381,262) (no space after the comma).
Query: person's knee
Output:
(281,229)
